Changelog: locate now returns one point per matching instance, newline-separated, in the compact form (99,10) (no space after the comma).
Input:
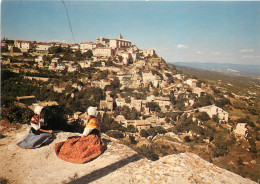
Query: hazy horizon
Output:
(215,32)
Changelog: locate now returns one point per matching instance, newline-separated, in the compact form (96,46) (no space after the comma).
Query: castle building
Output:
(115,43)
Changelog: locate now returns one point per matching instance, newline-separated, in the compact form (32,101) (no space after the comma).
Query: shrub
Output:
(143,133)
(131,128)
(16,114)
(187,139)
(147,152)
(116,134)
(203,116)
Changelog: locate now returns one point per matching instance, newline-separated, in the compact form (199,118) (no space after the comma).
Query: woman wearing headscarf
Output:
(85,148)
(37,136)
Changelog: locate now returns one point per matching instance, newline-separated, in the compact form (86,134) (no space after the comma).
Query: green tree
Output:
(160,130)
(147,152)
(88,54)
(55,50)
(203,116)
(204,101)
(16,49)
(143,133)
(153,106)
(116,134)
(131,128)
(222,102)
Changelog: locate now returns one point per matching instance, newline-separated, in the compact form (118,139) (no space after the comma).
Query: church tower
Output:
(120,36)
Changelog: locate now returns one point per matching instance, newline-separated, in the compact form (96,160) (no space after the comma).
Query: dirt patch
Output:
(6,126)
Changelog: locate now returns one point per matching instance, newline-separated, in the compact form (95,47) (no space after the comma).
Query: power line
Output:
(68,19)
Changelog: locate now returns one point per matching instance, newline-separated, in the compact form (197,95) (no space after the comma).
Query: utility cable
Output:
(68,19)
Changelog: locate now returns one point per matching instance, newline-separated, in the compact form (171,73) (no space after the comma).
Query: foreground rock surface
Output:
(118,164)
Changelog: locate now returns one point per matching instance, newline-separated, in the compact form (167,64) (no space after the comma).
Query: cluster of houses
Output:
(120,49)
(139,68)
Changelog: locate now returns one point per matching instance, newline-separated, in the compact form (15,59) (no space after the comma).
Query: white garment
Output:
(38,126)
(87,131)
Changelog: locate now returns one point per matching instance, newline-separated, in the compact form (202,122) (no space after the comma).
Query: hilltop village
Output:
(140,98)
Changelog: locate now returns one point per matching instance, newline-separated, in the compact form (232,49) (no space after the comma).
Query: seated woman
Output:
(85,148)
(37,136)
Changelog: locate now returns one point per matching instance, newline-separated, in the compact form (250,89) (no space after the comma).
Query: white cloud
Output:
(231,70)
(248,57)
(247,50)
(199,52)
(180,46)
(216,53)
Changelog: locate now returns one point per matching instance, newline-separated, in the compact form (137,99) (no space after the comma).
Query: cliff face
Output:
(118,164)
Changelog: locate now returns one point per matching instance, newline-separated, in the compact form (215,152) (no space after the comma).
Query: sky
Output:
(204,31)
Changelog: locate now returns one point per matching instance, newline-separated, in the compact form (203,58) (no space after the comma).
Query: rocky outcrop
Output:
(118,164)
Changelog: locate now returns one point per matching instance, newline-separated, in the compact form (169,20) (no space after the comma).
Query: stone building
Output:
(85,46)
(108,103)
(213,110)
(116,43)
(23,45)
(103,52)
(149,52)
(192,83)
(241,129)
(43,47)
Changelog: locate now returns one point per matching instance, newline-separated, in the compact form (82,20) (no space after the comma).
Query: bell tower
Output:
(120,36)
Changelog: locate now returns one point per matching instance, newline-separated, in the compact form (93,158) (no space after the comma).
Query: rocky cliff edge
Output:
(118,164)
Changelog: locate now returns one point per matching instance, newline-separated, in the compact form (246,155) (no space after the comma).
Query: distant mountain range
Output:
(236,69)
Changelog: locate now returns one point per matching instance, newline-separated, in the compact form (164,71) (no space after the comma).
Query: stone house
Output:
(178,76)
(72,68)
(102,40)
(192,83)
(85,64)
(200,92)
(148,78)
(127,57)
(120,119)
(213,110)
(241,129)
(140,63)
(137,104)
(39,59)
(40,64)
(139,124)
(163,102)
(120,102)
(148,52)
(103,52)
(43,47)
(56,60)
(59,88)
(142,124)
(53,66)
(60,67)
(108,103)
(101,84)
(85,46)
(75,47)
(155,121)
(77,86)
(23,45)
